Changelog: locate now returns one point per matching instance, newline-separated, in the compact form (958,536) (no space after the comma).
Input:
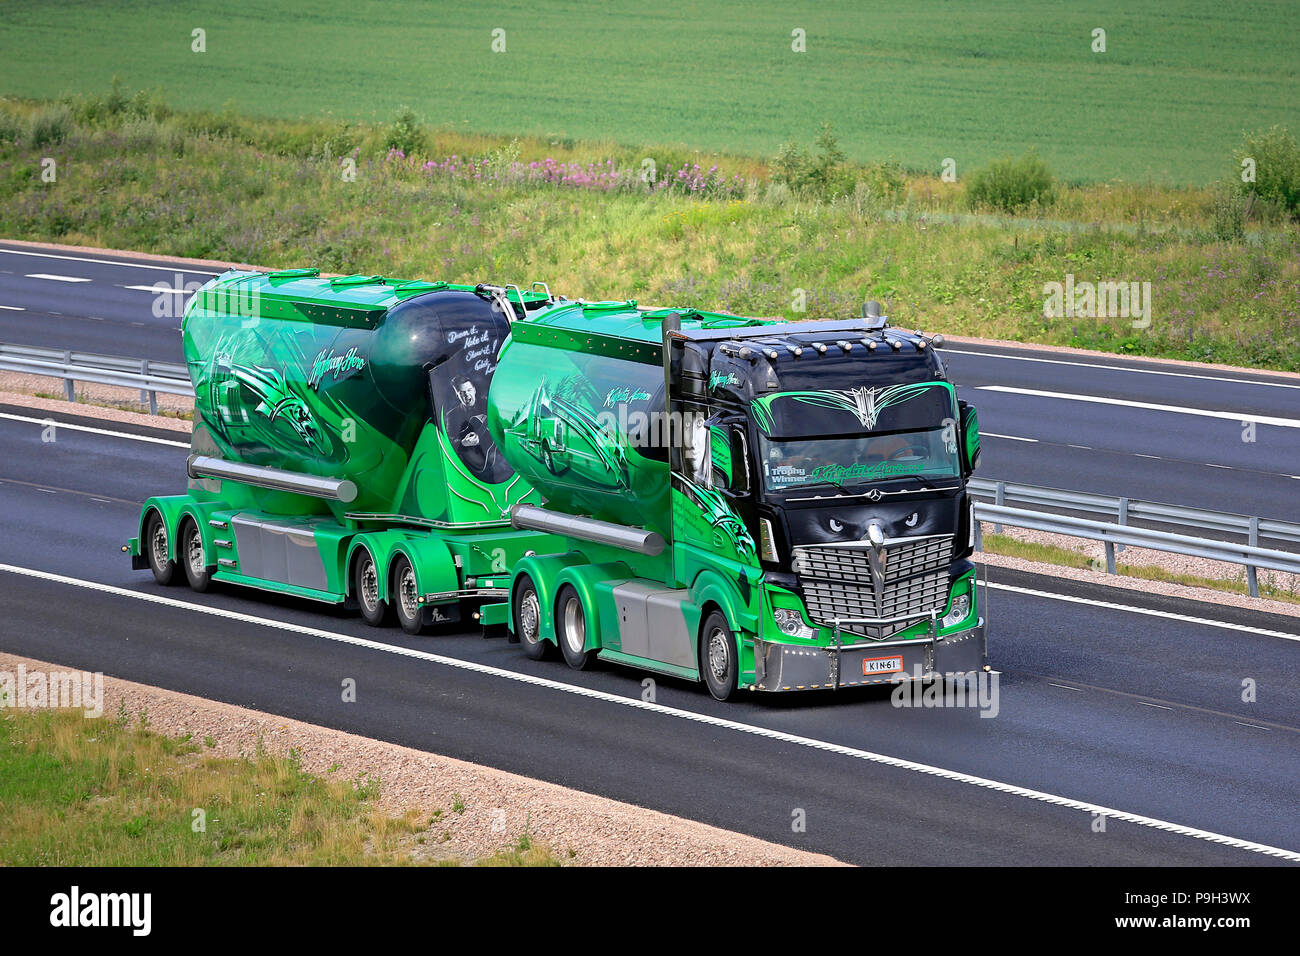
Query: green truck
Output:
(340,450)
(755,504)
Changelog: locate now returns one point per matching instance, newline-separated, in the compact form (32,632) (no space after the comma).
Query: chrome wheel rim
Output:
(718,654)
(529,618)
(406,593)
(369,584)
(158,545)
(575,625)
(194,551)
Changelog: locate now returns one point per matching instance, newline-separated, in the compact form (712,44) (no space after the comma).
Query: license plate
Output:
(882,665)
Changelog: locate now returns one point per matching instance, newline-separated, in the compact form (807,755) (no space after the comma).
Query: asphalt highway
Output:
(1227,441)
(1110,702)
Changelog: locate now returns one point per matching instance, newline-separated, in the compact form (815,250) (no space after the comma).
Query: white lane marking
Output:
(94,431)
(1152,406)
(1157,706)
(1066,687)
(1252,726)
(1121,368)
(1008,437)
(54,278)
(1150,612)
(13,308)
(638,704)
(110,262)
(160,287)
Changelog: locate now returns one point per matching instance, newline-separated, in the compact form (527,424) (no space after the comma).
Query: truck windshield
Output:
(857,459)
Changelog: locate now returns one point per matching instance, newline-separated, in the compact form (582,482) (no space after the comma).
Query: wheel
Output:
(193,560)
(155,547)
(374,609)
(547,459)
(718,656)
(406,597)
(571,629)
(528,620)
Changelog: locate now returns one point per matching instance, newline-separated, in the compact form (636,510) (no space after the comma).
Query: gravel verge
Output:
(579,828)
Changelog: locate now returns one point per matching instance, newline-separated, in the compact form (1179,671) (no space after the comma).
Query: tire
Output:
(528,620)
(547,459)
(571,629)
(365,582)
(155,545)
(718,664)
(193,560)
(406,596)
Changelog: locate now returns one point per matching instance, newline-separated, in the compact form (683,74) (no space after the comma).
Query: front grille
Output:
(838,583)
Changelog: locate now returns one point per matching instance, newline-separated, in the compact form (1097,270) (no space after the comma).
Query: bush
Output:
(405,134)
(12,127)
(825,175)
(1229,208)
(51,125)
(1012,184)
(1277,168)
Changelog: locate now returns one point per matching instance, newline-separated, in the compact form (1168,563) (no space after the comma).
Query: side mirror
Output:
(970,439)
(728,459)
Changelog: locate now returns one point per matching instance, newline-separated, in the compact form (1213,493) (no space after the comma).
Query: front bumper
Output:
(783,667)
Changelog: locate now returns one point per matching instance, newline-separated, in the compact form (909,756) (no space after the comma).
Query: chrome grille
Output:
(837,583)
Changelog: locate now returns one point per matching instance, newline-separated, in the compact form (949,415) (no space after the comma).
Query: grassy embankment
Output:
(271,192)
(111,792)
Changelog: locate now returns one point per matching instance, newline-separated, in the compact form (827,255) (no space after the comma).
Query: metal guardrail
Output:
(1120,533)
(170,378)
(173,378)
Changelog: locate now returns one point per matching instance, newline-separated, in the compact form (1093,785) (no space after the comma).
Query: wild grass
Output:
(110,791)
(1269,586)
(332,195)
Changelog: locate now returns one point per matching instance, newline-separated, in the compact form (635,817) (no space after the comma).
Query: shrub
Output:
(1011,184)
(825,175)
(51,125)
(12,127)
(405,134)
(1277,168)
(1229,208)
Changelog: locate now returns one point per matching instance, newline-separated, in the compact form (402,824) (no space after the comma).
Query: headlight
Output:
(958,612)
(791,623)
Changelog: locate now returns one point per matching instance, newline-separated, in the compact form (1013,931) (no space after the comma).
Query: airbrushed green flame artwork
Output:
(340,448)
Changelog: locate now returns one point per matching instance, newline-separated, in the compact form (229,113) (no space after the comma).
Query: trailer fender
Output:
(173,509)
(543,570)
(434,566)
(381,545)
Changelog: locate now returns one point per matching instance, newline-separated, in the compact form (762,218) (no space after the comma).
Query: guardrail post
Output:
(1110,557)
(69,385)
(1252,575)
(979,534)
(1123,518)
(144,372)
(999,498)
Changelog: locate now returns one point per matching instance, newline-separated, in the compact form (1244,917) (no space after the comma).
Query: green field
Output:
(913,81)
(230,188)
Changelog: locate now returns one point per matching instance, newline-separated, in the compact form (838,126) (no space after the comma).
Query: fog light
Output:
(959,611)
(791,623)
